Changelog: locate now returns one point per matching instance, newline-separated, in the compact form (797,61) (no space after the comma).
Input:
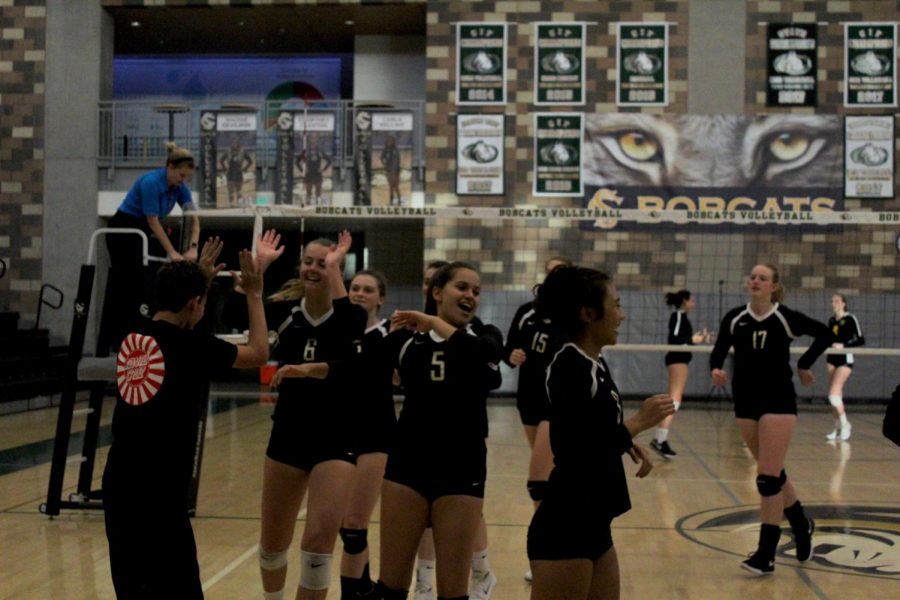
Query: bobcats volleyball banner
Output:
(791,63)
(869,156)
(642,58)
(559,63)
(479,154)
(557,154)
(715,163)
(481,63)
(870,64)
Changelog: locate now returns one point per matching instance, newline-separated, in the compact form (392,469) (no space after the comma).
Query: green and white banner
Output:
(481,63)
(791,60)
(642,59)
(557,154)
(870,64)
(869,156)
(479,155)
(559,63)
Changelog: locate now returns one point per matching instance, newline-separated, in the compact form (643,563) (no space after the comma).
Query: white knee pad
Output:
(677,405)
(315,570)
(272,561)
(836,401)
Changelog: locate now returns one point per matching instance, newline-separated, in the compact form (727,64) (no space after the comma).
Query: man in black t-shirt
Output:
(162,372)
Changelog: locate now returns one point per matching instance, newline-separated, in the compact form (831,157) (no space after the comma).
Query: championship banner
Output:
(479,154)
(791,64)
(481,63)
(236,159)
(392,149)
(870,69)
(642,59)
(722,165)
(313,139)
(208,158)
(362,157)
(559,63)
(557,154)
(869,156)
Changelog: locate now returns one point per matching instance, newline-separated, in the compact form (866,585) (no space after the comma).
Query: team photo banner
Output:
(869,156)
(479,154)
(870,64)
(480,63)
(791,64)
(642,58)
(557,154)
(559,63)
(790,164)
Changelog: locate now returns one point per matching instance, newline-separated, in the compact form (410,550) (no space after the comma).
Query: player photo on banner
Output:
(642,58)
(779,165)
(313,156)
(392,150)
(869,156)
(559,63)
(481,63)
(236,159)
(791,64)
(479,155)
(870,64)
(557,154)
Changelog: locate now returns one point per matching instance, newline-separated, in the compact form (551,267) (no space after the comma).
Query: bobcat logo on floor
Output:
(858,539)
(140,369)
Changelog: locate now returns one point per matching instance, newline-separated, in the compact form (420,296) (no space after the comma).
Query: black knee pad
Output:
(537,489)
(355,540)
(383,592)
(783,477)
(768,485)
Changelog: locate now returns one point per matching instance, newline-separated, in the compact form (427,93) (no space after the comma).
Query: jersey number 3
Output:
(759,339)
(437,366)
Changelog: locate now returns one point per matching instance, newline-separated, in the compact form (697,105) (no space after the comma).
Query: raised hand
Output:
(268,248)
(209,254)
(250,276)
(338,251)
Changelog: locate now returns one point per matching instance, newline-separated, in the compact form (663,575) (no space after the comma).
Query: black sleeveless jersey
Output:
(762,362)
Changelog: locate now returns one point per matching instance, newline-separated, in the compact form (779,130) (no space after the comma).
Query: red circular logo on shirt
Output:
(140,369)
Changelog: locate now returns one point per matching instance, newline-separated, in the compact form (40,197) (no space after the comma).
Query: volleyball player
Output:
(163,370)
(569,540)
(846,329)
(765,402)
(436,470)
(311,447)
(531,343)
(375,401)
(681,333)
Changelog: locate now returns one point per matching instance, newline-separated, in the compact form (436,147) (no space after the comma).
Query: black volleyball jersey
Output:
(587,434)
(376,370)
(446,384)
(762,348)
(335,336)
(540,341)
(680,330)
(162,379)
(847,331)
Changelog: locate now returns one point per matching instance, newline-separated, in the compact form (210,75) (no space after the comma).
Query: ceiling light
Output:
(135,23)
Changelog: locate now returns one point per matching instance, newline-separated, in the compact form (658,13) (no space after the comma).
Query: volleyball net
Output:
(647,253)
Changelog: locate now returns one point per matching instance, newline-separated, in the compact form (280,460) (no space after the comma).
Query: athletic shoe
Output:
(803,540)
(424,591)
(482,585)
(845,432)
(834,435)
(664,449)
(758,565)
(529,577)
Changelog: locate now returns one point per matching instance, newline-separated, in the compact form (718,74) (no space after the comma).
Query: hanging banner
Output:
(481,63)
(479,154)
(557,154)
(313,155)
(392,144)
(870,64)
(362,153)
(208,158)
(284,158)
(791,64)
(642,58)
(869,156)
(559,63)
(236,163)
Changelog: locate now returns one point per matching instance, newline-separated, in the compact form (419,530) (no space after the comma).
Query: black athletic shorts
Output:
(304,449)
(838,360)
(376,435)
(558,531)
(533,406)
(434,479)
(675,358)
(755,406)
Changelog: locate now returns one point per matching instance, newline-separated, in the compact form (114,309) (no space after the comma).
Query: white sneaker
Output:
(845,432)
(482,586)
(835,433)
(424,591)
(529,577)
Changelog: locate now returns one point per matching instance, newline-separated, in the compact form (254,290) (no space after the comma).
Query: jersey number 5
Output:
(539,343)
(759,339)
(437,366)
(309,352)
